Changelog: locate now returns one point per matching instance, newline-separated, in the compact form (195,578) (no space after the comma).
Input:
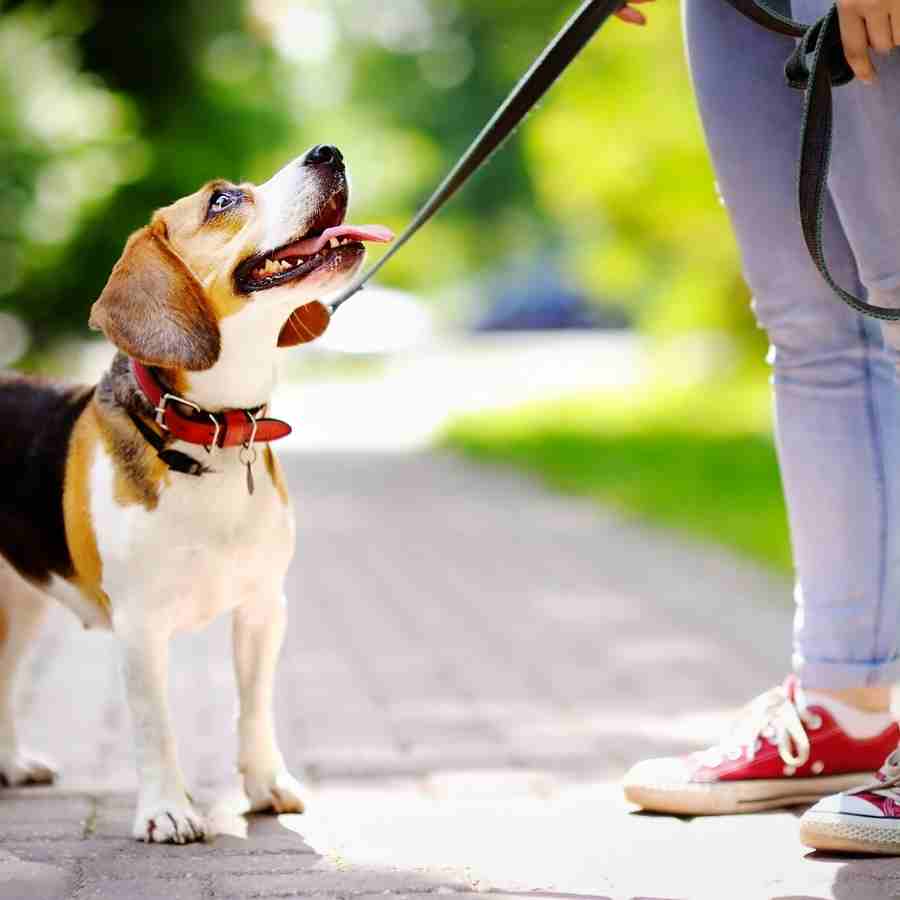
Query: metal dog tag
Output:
(247,455)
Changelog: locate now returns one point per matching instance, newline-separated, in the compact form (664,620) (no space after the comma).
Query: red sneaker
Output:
(781,752)
(865,820)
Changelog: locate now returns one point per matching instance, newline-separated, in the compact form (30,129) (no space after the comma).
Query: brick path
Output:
(471,664)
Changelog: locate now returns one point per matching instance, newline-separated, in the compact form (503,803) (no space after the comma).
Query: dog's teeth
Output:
(334,242)
(284,264)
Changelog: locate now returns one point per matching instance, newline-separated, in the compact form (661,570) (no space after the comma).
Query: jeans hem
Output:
(842,675)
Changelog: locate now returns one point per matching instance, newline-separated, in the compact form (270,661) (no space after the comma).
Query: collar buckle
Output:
(161,414)
(161,409)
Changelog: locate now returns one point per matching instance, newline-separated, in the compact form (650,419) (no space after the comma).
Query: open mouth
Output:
(327,243)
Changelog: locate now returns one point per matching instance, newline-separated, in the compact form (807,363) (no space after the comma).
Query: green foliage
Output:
(701,462)
(108,110)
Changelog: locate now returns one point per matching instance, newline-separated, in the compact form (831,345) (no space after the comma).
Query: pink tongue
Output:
(373,233)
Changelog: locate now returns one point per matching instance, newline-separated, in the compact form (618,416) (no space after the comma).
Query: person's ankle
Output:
(865,699)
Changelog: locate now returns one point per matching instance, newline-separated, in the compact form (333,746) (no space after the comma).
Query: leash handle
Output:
(554,60)
(816,66)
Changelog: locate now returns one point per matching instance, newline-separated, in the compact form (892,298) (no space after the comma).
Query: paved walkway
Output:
(471,664)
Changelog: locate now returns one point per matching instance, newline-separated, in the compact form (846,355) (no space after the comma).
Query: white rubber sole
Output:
(723,798)
(846,833)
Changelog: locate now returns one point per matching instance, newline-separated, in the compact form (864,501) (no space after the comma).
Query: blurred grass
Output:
(700,460)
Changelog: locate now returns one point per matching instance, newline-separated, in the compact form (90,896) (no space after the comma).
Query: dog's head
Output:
(226,249)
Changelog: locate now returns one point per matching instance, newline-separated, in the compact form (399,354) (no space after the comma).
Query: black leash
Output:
(534,84)
(816,65)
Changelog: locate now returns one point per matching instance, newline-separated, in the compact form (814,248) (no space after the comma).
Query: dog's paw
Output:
(169,823)
(276,791)
(19,768)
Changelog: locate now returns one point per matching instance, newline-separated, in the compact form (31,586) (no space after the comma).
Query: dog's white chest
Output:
(206,547)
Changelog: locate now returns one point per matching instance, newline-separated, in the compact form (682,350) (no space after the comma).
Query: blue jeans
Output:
(837,404)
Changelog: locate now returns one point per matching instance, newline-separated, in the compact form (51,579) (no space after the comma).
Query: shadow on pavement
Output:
(862,877)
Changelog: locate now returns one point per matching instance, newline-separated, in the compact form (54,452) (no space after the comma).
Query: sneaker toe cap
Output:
(846,804)
(658,772)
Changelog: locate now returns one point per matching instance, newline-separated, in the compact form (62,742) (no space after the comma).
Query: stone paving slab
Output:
(471,664)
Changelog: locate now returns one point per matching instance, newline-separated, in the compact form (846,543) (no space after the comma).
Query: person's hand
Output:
(864,24)
(636,17)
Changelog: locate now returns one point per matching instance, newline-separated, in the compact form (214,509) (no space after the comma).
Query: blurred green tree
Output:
(109,114)
(109,110)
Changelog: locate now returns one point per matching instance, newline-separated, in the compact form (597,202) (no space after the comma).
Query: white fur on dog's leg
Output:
(18,768)
(258,633)
(22,608)
(169,823)
(165,814)
(277,791)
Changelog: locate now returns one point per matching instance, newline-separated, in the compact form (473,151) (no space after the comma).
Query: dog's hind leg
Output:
(258,632)
(22,609)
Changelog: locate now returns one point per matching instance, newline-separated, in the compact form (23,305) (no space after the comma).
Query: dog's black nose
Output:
(323,155)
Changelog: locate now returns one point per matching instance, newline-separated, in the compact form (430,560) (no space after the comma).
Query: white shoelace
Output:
(772,717)
(887,777)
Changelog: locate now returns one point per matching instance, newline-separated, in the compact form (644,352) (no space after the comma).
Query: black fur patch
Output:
(36,420)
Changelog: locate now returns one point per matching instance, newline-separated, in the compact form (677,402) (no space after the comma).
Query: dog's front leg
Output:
(258,633)
(164,812)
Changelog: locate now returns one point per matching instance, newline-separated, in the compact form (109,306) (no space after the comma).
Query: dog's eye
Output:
(222,200)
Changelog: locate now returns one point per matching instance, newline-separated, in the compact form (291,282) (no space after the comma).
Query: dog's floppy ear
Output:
(154,309)
(305,324)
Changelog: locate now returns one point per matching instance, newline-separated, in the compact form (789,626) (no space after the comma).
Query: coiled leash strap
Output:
(534,84)
(817,64)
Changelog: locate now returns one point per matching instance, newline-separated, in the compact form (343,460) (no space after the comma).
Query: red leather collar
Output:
(229,428)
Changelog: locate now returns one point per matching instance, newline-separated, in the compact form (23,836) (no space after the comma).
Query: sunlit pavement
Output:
(471,664)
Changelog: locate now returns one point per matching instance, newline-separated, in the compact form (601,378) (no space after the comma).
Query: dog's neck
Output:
(246,372)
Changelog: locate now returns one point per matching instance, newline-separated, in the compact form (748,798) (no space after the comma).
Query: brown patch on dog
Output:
(175,381)
(80,535)
(273,467)
(139,472)
(208,245)
(226,303)
(154,309)
(305,324)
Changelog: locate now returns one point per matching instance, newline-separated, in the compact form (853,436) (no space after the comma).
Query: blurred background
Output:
(577,311)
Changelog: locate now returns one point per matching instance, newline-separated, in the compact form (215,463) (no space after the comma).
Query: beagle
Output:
(153,502)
